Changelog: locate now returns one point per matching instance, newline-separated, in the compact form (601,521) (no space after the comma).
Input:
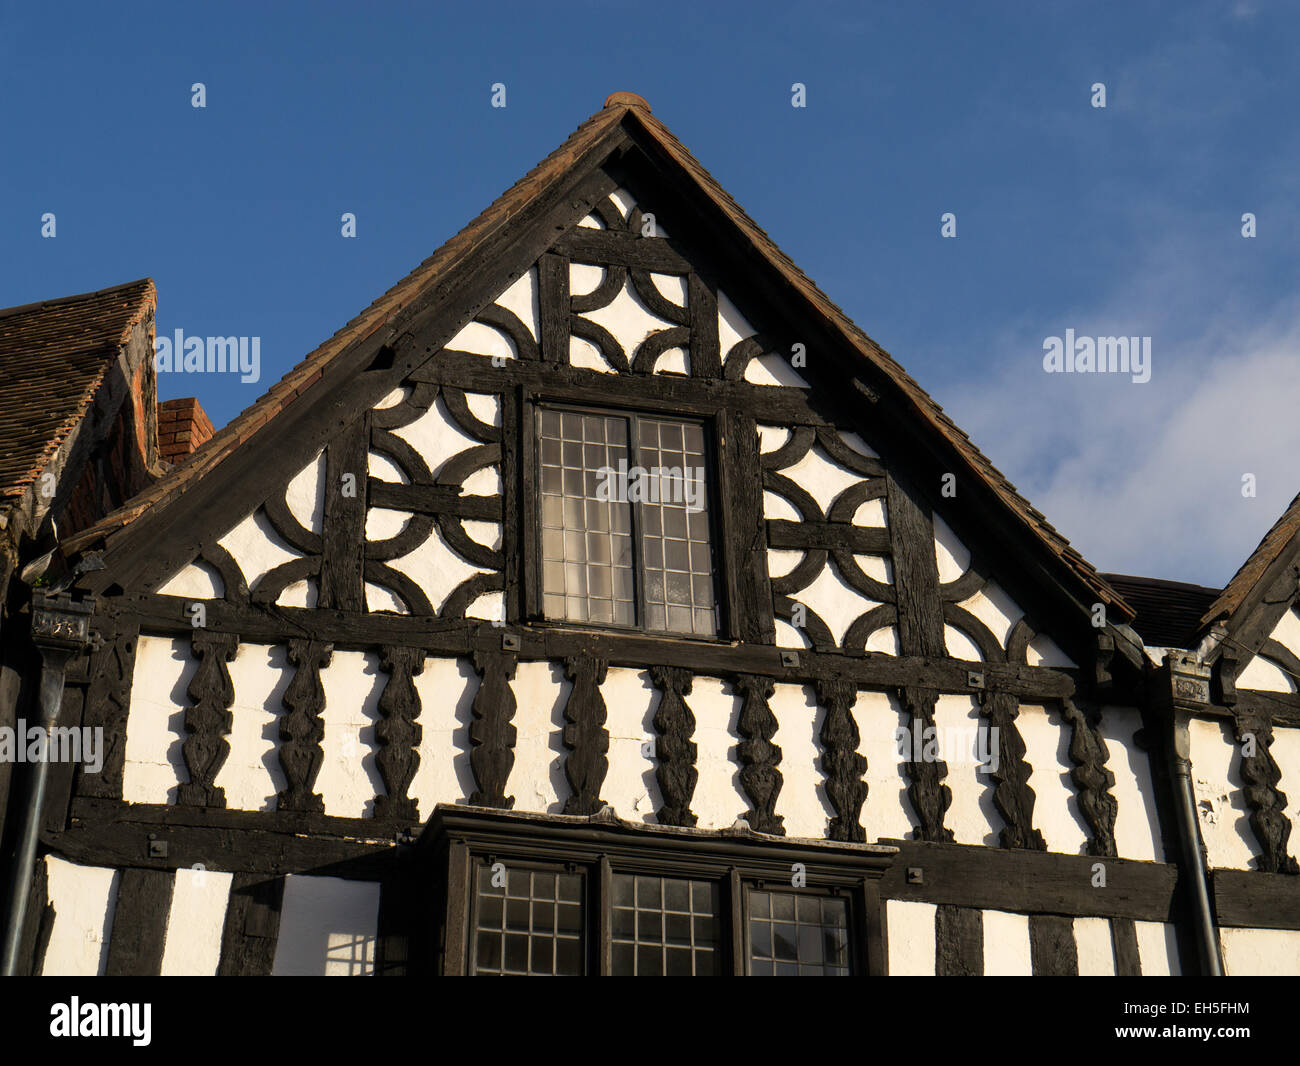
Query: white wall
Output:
(328,927)
(84,899)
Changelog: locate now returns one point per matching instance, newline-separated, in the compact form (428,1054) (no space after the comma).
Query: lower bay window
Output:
(554,895)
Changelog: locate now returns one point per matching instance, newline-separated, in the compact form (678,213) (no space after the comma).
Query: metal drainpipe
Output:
(1189,680)
(60,629)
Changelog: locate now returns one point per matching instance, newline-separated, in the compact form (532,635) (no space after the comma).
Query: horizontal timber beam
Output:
(170,615)
(1030,882)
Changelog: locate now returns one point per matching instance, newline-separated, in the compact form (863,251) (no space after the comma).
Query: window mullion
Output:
(604,914)
(634,509)
(739,940)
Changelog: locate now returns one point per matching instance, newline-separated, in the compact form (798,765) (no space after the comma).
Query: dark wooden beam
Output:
(1030,882)
(144,899)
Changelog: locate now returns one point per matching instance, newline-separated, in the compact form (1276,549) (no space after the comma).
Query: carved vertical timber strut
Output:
(920,632)
(107,700)
(208,719)
(492,733)
(398,732)
(930,797)
(842,764)
(758,755)
(343,541)
(674,751)
(1091,777)
(301,728)
(1267,804)
(1012,795)
(585,736)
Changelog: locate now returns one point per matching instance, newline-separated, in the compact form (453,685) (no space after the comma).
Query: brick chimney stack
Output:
(182,426)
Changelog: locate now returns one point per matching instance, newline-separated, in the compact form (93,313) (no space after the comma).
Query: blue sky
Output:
(1122,221)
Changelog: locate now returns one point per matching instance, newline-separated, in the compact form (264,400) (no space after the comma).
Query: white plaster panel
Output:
(951,554)
(772,438)
(1287,631)
(251,774)
(888,812)
(197,581)
(1286,753)
(776,506)
(478,338)
(872,513)
(521,298)
(436,436)
(673,361)
(256,547)
(834,601)
(446,688)
(884,640)
(627,318)
(1264,674)
(1157,949)
(802,801)
(383,523)
(821,477)
(771,369)
(393,398)
(379,598)
(592,222)
(435,568)
(153,765)
(623,200)
(383,467)
(972,817)
(877,566)
(855,441)
(1261,952)
(1006,945)
(1047,750)
(992,606)
(672,287)
(780,562)
(584,354)
(1094,947)
(349,779)
(298,594)
(960,646)
(911,938)
(1043,651)
(327,928)
(84,899)
(488,607)
(537,778)
(1220,799)
(305,496)
(585,278)
(719,799)
(732,325)
(630,704)
(1136,833)
(195,923)
(787,636)
(485,406)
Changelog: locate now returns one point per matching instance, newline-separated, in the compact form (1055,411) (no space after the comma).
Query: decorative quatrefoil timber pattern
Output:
(416,481)
(617,295)
(827,539)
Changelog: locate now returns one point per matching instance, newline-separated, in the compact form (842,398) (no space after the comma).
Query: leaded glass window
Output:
(665,926)
(532,924)
(797,935)
(625,521)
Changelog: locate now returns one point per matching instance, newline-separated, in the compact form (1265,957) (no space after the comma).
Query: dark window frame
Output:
(712,419)
(456,844)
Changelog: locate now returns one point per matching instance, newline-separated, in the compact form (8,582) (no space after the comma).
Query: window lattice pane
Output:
(678,565)
(532,925)
(798,935)
(587,573)
(665,926)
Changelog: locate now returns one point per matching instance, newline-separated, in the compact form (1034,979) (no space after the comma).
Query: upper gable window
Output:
(625,521)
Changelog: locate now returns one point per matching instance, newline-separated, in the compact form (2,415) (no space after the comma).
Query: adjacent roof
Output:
(1253,569)
(53,357)
(1168,612)
(632,110)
